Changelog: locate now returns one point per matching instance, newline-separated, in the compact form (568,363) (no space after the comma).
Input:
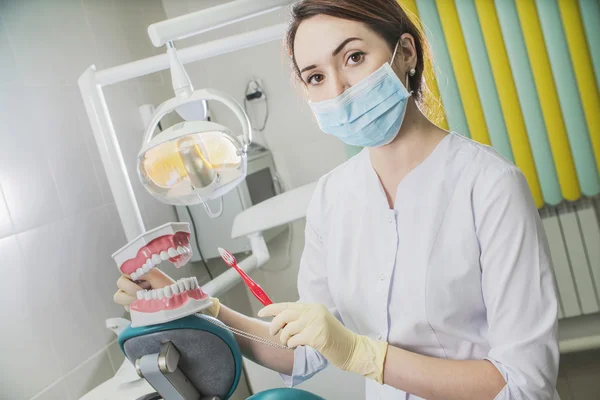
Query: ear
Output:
(407,53)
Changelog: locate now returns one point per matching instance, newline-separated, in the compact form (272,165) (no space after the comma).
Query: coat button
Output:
(379,336)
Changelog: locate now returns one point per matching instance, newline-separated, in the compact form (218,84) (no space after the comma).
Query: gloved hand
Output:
(128,288)
(313,325)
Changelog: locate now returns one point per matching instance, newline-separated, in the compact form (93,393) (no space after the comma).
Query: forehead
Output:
(318,36)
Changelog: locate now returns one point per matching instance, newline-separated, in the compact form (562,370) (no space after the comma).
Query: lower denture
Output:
(168,303)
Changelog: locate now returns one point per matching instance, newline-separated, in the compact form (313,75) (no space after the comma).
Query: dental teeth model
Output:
(156,306)
(167,242)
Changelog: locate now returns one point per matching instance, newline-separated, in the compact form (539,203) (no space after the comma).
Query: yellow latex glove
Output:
(213,311)
(313,325)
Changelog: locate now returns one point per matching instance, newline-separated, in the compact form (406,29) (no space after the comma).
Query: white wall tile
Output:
(32,39)
(60,122)
(30,192)
(109,39)
(6,225)
(115,355)
(58,391)
(309,161)
(106,236)
(134,21)
(27,181)
(96,162)
(87,376)
(175,8)
(28,362)
(8,68)
(74,281)
(72,45)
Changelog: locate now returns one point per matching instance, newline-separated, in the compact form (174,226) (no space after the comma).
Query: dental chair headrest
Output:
(210,356)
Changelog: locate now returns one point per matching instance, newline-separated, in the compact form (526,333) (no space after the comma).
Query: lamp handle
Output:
(199,95)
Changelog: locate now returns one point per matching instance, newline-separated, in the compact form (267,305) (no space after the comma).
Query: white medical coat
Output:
(459,269)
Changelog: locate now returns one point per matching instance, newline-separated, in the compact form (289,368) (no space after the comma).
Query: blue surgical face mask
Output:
(368,114)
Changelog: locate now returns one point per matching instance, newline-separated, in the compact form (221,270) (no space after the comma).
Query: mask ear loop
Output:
(407,74)
(395,50)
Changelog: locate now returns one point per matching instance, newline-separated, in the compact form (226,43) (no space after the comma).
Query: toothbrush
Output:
(253,286)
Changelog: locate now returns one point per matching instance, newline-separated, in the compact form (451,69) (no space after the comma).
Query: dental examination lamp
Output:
(193,161)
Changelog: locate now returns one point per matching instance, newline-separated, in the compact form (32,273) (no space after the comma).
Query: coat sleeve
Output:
(518,287)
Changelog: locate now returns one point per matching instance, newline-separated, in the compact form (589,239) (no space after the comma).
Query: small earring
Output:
(412,72)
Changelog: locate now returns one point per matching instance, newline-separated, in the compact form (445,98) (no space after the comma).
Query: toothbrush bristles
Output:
(226,256)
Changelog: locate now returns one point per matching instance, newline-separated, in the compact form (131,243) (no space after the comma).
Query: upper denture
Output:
(174,248)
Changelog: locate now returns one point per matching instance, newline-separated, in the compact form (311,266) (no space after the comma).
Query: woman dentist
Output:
(425,268)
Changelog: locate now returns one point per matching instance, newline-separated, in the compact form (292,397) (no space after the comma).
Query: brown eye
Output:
(355,58)
(315,79)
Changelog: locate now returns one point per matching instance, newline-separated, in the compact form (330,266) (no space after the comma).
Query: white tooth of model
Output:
(168,291)
(133,276)
(145,268)
(156,259)
(160,293)
(181,285)
(164,256)
(154,294)
(140,294)
(172,252)
(187,249)
(139,272)
(175,288)
(180,250)
(147,295)
(186,283)
(149,263)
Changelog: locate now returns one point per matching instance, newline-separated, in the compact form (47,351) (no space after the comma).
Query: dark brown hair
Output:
(384,17)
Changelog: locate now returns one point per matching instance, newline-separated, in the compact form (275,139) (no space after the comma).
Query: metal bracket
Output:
(163,374)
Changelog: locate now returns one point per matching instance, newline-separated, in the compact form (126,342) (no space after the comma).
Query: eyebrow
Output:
(335,52)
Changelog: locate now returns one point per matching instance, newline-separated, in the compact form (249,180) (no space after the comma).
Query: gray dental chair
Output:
(192,359)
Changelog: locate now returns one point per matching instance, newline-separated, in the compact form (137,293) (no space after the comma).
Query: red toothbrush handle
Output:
(256,290)
(261,295)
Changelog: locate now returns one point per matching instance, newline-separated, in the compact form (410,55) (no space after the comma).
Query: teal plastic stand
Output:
(285,394)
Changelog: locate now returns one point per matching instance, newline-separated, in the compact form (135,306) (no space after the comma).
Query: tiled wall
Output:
(58,221)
